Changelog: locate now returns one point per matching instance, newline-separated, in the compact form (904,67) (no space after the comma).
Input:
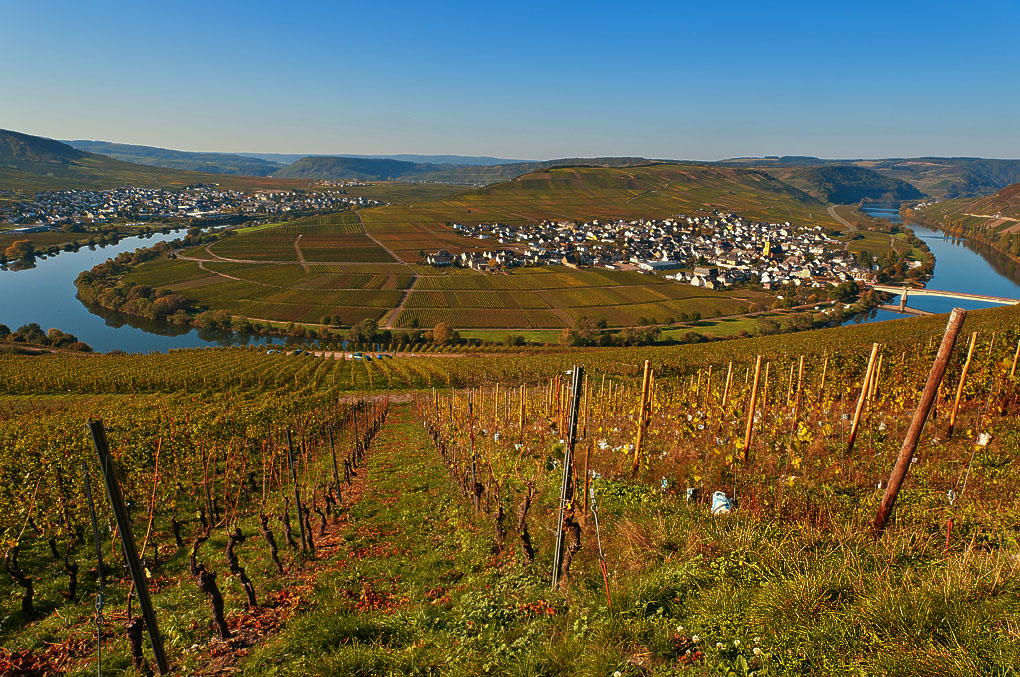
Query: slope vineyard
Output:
(706,483)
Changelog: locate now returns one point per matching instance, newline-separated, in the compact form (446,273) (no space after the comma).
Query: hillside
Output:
(343,167)
(215,163)
(847,184)
(326,167)
(569,193)
(1005,202)
(1001,208)
(939,177)
(32,163)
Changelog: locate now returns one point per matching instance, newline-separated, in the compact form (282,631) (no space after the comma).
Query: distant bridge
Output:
(904,292)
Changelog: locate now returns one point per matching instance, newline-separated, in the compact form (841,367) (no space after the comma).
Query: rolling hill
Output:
(328,167)
(939,177)
(33,163)
(847,184)
(657,190)
(381,169)
(215,163)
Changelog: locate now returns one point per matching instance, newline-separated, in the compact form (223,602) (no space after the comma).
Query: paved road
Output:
(833,214)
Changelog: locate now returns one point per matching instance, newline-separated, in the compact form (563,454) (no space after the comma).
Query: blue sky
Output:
(523,80)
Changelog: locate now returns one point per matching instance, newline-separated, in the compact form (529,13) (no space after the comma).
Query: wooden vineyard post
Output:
(928,396)
(706,400)
(765,398)
(332,452)
(1012,370)
(729,379)
(524,391)
(959,387)
(751,407)
(471,448)
(873,391)
(641,418)
(127,539)
(587,476)
(796,396)
(584,410)
(825,367)
(567,486)
(860,401)
(297,491)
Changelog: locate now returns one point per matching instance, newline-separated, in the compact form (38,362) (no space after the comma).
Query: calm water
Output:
(959,266)
(46,294)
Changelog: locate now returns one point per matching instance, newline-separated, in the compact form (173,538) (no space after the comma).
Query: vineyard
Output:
(708,509)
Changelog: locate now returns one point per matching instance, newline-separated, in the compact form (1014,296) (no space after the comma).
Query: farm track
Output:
(407,519)
(390,319)
(649,192)
(300,254)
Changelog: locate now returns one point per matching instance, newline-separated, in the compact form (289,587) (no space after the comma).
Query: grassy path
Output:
(418,589)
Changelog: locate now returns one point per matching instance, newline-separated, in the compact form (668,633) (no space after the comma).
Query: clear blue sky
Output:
(540,80)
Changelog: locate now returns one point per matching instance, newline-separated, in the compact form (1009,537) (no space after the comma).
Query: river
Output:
(960,265)
(45,293)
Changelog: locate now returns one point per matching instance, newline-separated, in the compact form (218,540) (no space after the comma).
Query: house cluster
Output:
(341,183)
(705,251)
(92,207)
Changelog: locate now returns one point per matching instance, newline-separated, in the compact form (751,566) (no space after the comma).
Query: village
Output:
(71,208)
(705,251)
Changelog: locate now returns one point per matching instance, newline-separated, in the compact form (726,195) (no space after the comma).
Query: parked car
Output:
(357,356)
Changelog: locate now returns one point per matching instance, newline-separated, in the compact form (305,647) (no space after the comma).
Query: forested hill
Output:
(845,184)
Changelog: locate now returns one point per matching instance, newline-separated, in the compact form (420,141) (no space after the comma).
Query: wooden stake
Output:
(729,379)
(928,395)
(959,387)
(1012,370)
(873,390)
(641,418)
(750,408)
(862,398)
(796,397)
(825,367)
(708,388)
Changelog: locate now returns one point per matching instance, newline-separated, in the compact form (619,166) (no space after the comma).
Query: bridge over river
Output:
(905,292)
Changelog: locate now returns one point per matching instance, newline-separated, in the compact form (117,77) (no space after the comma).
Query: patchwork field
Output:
(365,264)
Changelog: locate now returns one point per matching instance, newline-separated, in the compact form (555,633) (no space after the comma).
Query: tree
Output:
(364,331)
(20,249)
(441,334)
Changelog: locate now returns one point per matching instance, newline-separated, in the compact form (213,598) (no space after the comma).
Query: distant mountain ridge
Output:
(217,163)
(338,167)
(34,163)
(481,160)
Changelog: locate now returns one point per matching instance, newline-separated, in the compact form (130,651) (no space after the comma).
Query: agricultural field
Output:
(398,562)
(259,275)
(380,248)
(403,193)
